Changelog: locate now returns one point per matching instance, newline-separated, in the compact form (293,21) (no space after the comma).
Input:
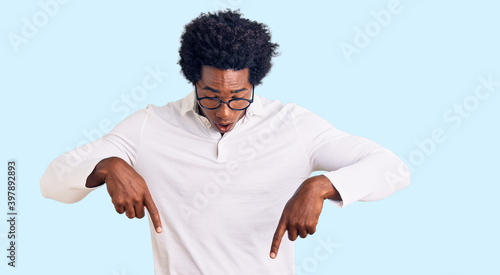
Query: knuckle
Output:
(136,200)
(119,208)
(153,212)
(117,201)
(311,229)
(276,236)
(309,225)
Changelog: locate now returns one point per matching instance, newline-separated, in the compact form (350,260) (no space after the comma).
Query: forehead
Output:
(219,78)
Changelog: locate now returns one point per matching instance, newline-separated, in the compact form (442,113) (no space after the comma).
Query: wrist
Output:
(325,188)
(99,174)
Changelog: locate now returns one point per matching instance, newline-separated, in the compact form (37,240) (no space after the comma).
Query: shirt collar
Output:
(189,104)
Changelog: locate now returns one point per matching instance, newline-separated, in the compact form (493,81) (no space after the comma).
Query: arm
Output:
(72,176)
(65,178)
(358,168)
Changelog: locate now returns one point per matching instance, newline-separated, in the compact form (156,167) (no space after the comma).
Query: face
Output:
(224,85)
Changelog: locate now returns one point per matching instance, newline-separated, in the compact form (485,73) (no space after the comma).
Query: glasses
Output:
(212,103)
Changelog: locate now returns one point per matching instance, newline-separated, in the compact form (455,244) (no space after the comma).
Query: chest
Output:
(248,173)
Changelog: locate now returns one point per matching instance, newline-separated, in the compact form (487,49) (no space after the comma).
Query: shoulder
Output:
(292,110)
(170,111)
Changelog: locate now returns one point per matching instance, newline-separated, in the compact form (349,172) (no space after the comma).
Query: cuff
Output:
(348,190)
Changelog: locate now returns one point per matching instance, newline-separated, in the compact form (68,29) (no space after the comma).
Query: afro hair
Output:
(225,40)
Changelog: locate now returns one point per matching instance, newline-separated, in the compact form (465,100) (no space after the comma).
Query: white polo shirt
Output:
(220,197)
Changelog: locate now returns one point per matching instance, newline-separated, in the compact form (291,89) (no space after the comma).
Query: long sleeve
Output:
(360,169)
(65,178)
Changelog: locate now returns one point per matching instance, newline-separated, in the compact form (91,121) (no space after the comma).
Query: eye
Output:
(213,95)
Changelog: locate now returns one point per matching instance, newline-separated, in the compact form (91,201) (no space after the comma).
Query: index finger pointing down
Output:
(153,214)
(278,235)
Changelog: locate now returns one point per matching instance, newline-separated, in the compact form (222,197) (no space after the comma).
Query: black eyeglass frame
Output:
(250,101)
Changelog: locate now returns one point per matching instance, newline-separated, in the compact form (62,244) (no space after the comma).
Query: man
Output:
(224,173)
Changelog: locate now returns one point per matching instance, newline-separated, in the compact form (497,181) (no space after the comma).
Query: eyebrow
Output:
(218,92)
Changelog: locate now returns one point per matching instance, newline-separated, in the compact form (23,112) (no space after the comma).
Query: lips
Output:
(223,127)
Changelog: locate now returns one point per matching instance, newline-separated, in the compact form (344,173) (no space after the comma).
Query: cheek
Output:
(235,115)
(239,115)
(210,114)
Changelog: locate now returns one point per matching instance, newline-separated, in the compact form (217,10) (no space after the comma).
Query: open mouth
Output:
(223,127)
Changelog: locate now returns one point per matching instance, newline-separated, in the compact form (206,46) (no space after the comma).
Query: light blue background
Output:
(64,80)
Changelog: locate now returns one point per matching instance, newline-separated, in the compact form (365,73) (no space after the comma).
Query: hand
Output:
(301,213)
(128,190)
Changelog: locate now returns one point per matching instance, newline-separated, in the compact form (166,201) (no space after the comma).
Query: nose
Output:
(223,112)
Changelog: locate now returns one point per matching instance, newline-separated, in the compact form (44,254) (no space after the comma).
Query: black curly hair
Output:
(225,40)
